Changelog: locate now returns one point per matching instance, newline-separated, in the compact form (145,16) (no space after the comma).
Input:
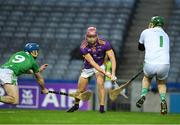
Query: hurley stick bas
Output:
(115,92)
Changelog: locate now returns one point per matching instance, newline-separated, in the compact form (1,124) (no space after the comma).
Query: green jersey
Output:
(21,62)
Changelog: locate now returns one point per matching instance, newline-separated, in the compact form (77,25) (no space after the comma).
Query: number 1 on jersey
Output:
(161,41)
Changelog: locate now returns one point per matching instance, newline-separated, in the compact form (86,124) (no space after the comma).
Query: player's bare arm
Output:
(89,58)
(111,55)
(40,81)
(41,69)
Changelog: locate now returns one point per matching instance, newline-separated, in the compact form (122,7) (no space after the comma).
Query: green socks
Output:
(144,91)
(163,96)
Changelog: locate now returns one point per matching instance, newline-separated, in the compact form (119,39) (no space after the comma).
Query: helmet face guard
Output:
(34,53)
(32,48)
(91,35)
(156,21)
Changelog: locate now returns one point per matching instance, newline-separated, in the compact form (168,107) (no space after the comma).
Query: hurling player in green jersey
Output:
(23,62)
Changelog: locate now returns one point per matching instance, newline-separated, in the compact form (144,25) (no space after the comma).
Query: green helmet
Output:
(157,21)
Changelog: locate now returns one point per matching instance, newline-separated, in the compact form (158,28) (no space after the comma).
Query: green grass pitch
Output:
(20,116)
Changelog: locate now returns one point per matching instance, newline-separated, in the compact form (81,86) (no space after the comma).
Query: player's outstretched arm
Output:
(111,56)
(41,69)
(40,80)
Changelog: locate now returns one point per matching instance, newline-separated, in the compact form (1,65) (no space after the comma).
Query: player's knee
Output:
(101,86)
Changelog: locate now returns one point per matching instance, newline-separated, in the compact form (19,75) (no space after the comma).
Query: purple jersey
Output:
(97,52)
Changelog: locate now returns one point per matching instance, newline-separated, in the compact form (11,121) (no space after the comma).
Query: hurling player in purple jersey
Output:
(94,49)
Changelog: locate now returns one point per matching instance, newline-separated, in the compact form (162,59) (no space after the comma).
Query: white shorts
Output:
(86,73)
(108,84)
(7,76)
(161,71)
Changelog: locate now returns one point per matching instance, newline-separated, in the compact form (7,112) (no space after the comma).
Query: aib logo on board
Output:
(28,97)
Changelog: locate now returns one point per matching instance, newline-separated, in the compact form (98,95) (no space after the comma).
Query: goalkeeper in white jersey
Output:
(155,42)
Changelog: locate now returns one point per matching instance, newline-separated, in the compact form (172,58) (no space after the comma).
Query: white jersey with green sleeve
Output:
(21,62)
(156,43)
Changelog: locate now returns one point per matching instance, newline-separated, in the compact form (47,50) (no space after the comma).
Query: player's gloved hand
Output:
(43,67)
(44,91)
